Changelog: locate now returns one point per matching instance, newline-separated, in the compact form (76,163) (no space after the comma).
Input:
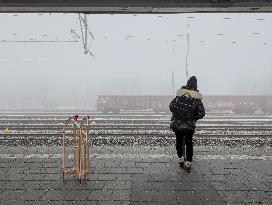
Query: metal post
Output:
(86,34)
(64,156)
(186,68)
(173,83)
(188,51)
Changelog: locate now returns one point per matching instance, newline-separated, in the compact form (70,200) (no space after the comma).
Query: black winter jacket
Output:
(187,106)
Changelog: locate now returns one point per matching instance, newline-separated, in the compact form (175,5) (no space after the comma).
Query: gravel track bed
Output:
(147,128)
(143,140)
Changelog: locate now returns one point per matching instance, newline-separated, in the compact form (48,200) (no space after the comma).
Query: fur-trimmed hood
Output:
(189,93)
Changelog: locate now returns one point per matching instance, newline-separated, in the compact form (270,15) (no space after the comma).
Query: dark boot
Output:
(187,165)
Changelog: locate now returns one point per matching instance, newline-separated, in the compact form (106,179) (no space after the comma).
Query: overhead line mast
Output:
(188,51)
(85,33)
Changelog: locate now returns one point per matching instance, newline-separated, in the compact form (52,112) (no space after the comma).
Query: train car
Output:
(115,103)
(238,104)
(266,104)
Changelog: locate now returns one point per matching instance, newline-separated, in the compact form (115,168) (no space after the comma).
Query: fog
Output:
(229,53)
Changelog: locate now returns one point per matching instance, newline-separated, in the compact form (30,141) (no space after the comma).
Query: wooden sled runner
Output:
(75,142)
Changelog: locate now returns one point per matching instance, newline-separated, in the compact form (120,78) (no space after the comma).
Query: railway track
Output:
(45,128)
(140,139)
(36,127)
(136,120)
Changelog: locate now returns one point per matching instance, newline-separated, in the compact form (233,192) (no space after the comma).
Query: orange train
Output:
(238,104)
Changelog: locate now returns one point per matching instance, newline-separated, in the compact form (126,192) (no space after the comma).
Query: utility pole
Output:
(86,34)
(173,83)
(188,51)
(173,77)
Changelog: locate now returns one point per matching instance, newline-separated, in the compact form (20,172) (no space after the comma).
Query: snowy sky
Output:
(229,53)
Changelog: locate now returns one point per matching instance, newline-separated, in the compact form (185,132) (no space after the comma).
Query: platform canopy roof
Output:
(135,6)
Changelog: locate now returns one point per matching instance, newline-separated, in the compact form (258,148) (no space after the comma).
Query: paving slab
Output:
(137,175)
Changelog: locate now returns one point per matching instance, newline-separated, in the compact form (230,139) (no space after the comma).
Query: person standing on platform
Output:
(186,108)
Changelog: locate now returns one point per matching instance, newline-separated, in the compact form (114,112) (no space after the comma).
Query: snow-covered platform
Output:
(138,175)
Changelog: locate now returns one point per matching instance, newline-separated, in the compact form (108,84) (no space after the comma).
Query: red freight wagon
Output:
(238,104)
(116,103)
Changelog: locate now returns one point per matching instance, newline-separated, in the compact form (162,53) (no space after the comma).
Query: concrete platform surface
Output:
(138,175)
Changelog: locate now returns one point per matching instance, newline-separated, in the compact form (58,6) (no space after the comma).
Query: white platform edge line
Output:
(139,156)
